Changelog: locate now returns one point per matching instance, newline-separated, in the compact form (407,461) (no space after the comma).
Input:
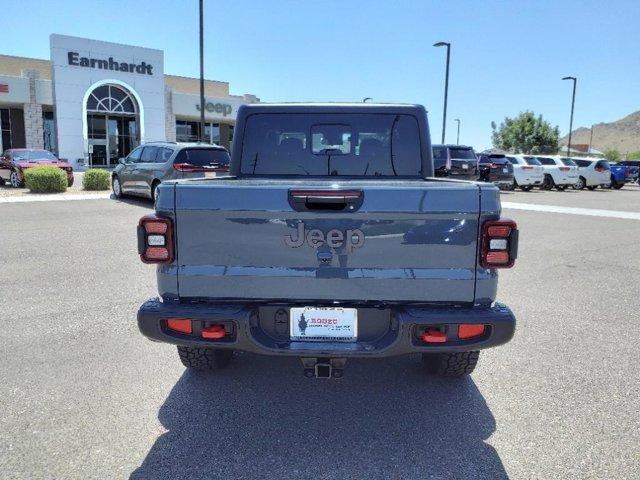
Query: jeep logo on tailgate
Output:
(315,238)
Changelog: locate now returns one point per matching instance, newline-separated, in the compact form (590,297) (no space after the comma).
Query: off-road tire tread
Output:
(454,364)
(204,358)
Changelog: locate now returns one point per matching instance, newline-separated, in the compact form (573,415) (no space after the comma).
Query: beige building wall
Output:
(212,88)
(10,65)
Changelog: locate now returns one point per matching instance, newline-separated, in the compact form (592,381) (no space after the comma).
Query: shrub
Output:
(45,179)
(96,179)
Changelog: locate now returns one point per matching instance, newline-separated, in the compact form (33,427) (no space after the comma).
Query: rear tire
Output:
(116,186)
(592,187)
(455,364)
(526,188)
(547,183)
(203,358)
(581,183)
(618,186)
(154,187)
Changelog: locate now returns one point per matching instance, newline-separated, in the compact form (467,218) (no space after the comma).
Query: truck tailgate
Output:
(405,241)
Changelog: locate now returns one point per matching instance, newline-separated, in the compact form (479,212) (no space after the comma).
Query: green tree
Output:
(612,155)
(634,156)
(526,133)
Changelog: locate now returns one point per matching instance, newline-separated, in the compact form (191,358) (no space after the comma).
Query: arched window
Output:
(111,99)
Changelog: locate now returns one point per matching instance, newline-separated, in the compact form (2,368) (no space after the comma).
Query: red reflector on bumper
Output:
(433,335)
(214,332)
(469,331)
(182,325)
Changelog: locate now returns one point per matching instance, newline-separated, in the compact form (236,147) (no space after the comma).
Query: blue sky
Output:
(507,56)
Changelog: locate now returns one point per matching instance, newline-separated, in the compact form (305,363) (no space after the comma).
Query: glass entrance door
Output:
(112,141)
(111,137)
(98,153)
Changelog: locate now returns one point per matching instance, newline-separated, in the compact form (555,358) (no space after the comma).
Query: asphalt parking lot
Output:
(84,395)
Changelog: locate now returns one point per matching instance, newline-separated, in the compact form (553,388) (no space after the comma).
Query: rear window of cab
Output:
(321,144)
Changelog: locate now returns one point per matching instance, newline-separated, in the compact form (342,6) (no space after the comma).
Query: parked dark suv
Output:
(145,167)
(495,168)
(455,160)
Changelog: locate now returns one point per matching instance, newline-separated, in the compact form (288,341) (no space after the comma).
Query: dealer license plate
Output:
(465,166)
(505,170)
(317,324)
(209,174)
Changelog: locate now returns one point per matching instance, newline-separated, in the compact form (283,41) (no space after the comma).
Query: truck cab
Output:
(330,239)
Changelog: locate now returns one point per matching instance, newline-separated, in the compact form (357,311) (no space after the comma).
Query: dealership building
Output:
(94,101)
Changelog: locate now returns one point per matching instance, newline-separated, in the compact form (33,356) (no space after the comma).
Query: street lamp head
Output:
(568,78)
(365,100)
(441,44)
(456,120)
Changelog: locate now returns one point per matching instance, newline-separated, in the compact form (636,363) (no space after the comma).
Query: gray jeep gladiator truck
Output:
(330,239)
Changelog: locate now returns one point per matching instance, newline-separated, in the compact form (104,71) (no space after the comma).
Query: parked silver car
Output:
(145,167)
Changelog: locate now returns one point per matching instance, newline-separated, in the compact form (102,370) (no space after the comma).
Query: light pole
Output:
(201,72)
(458,135)
(364,100)
(446,86)
(573,101)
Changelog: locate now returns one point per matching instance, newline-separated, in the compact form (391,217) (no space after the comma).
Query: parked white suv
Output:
(592,172)
(559,172)
(527,171)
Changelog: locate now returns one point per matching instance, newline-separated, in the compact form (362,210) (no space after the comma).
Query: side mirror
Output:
(122,161)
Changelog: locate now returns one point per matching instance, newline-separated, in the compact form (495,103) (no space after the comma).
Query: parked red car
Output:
(14,161)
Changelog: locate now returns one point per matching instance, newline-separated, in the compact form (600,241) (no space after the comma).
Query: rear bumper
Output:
(566,180)
(529,179)
(400,335)
(504,181)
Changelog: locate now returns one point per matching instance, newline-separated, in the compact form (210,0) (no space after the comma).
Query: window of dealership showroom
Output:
(92,102)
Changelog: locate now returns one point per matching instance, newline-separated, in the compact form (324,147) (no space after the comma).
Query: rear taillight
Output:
(187,167)
(527,167)
(565,169)
(155,239)
(499,244)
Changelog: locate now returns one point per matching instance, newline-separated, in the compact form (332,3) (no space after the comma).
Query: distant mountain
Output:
(623,135)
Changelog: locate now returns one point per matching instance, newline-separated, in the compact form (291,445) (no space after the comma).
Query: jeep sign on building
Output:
(94,101)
